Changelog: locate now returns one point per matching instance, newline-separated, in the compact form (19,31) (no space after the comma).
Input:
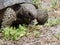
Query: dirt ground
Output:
(46,34)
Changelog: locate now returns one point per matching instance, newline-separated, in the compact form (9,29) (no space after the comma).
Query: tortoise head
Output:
(30,10)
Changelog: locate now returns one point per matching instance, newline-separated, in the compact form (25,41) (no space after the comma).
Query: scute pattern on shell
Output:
(6,3)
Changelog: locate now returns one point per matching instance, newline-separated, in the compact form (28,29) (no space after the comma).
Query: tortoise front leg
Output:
(8,17)
(42,16)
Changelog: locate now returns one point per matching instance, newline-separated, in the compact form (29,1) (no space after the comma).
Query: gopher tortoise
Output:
(14,12)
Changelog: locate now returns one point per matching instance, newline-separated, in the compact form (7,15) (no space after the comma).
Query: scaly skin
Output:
(42,16)
(22,14)
(28,12)
(8,17)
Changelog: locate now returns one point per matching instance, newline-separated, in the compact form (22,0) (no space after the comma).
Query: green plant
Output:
(34,22)
(38,4)
(13,33)
(57,36)
(36,27)
(54,3)
(6,32)
(36,33)
(35,1)
(52,22)
(27,34)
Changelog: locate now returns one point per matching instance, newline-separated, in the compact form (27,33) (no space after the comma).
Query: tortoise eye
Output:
(29,13)
(31,16)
